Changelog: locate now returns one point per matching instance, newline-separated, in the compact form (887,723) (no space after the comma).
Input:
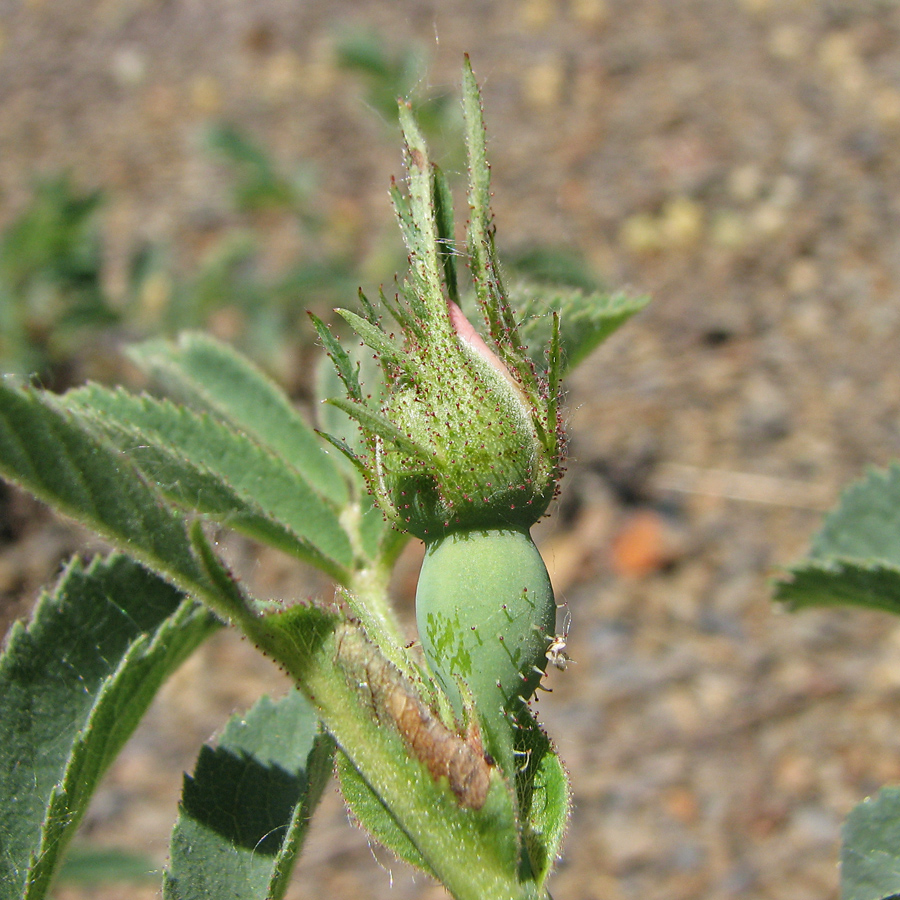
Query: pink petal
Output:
(466,333)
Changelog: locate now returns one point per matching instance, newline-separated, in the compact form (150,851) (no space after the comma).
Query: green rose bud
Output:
(485,463)
(465,448)
(469,434)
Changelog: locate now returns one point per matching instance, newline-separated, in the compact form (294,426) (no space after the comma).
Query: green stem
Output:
(367,597)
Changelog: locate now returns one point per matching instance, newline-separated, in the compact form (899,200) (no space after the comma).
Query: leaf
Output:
(45,451)
(870,851)
(855,558)
(840,582)
(474,852)
(204,465)
(206,373)
(373,337)
(421,234)
(245,812)
(74,684)
(545,802)
(865,525)
(93,866)
(586,319)
(375,817)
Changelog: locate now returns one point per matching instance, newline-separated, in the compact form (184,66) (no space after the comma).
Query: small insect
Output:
(556,652)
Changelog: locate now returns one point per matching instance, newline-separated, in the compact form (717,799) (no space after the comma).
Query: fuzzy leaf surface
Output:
(371,813)
(544,797)
(246,809)
(870,851)
(842,583)
(74,684)
(473,852)
(203,464)
(855,558)
(586,319)
(49,453)
(206,373)
(865,525)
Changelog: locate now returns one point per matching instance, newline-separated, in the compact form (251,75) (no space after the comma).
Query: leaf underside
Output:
(209,375)
(586,319)
(855,558)
(203,464)
(74,684)
(375,817)
(870,854)
(47,452)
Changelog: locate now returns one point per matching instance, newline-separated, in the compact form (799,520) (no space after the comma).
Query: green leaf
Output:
(373,337)
(865,525)
(855,558)
(89,866)
(73,686)
(586,319)
(870,851)
(203,464)
(245,812)
(446,233)
(203,372)
(45,451)
(375,817)
(381,426)
(840,582)
(390,737)
(544,799)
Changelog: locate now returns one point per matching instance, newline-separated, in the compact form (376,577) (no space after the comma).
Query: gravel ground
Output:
(736,159)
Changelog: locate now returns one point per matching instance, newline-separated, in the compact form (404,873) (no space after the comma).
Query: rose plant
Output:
(454,437)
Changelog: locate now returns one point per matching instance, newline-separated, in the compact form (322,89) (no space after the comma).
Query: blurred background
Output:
(169,164)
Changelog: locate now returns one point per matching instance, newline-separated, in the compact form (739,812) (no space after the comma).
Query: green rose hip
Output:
(486,617)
